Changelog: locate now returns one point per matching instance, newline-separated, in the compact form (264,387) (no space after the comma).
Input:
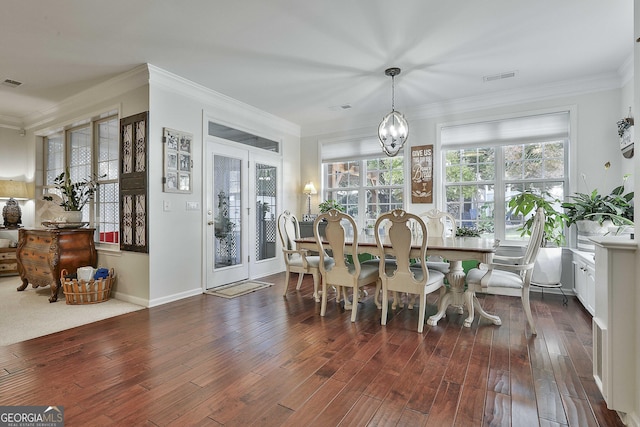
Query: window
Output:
(86,149)
(358,175)
(487,163)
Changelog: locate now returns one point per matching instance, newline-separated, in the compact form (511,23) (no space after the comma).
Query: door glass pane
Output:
(227,211)
(265,191)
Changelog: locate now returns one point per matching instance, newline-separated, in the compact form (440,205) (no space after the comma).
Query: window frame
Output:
(64,133)
(500,181)
(363,219)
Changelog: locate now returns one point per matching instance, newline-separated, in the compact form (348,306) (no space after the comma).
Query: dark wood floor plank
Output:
(444,409)
(578,412)
(497,410)
(265,360)
(361,412)
(548,397)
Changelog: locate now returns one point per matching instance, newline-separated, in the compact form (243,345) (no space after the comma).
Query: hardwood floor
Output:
(264,360)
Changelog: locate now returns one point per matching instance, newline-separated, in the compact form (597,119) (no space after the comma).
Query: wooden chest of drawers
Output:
(8,262)
(42,254)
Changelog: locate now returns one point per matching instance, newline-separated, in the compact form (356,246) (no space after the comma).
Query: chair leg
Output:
(316,285)
(286,283)
(527,309)
(300,277)
(376,297)
(385,306)
(354,307)
(323,306)
(423,309)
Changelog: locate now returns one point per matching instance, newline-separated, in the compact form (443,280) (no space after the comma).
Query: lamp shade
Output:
(13,189)
(309,188)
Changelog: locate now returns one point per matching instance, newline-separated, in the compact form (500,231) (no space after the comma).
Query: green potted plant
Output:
(616,206)
(594,213)
(75,195)
(327,205)
(548,268)
(527,203)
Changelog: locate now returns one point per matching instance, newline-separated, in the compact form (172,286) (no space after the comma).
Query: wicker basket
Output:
(82,292)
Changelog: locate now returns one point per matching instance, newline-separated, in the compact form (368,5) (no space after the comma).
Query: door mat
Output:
(236,289)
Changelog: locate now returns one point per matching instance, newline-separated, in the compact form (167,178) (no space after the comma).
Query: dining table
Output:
(454,249)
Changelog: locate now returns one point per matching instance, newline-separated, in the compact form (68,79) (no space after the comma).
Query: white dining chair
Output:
(511,274)
(439,224)
(342,274)
(402,277)
(298,260)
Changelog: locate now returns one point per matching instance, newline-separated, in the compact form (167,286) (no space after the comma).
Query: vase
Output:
(588,229)
(71,216)
(547,270)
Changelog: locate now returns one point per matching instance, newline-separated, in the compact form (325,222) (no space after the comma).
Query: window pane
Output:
(108,213)
(470,175)
(365,199)
(103,212)
(54,148)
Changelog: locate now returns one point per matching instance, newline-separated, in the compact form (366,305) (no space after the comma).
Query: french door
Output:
(242,201)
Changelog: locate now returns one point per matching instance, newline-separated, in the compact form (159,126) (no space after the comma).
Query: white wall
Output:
(16,152)
(176,237)
(595,136)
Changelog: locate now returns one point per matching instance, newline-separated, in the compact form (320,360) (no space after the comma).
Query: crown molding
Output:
(80,102)
(538,93)
(219,105)
(10,122)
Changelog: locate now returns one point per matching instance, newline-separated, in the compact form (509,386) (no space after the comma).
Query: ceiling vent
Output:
(340,107)
(499,76)
(11,83)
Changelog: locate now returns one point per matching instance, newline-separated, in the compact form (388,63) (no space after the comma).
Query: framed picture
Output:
(178,162)
(422,174)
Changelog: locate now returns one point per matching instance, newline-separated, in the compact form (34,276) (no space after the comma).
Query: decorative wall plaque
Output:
(177,161)
(422,174)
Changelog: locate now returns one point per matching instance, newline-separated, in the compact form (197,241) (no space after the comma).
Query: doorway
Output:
(242,196)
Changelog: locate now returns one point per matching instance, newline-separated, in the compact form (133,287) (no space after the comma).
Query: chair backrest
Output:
(289,230)
(537,233)
(335,235)
(400,234)
(439,224)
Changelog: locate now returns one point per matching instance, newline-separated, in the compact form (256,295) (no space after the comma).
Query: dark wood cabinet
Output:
(43,253)
(8,262)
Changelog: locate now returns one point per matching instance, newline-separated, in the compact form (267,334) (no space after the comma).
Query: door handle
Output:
(210,223)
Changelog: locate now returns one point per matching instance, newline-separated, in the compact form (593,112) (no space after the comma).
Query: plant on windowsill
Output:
(615,206)
(467,232)
(327,205)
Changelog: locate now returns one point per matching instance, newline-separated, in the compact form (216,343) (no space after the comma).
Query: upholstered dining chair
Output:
(511,274)
(404,277)
(298,260)
(342,274)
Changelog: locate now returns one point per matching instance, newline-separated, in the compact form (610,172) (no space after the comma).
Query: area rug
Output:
(236,289)
(29,314)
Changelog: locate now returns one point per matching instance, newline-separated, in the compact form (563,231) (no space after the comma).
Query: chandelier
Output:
(393,130)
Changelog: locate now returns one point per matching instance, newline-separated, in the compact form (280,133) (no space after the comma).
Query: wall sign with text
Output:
(422,174)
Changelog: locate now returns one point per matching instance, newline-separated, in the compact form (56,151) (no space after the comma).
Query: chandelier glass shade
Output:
(394,129)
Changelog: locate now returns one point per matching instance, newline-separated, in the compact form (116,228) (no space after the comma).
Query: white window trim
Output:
(570,164)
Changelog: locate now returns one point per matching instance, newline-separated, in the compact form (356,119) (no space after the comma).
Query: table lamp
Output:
(309,189)
(12,190)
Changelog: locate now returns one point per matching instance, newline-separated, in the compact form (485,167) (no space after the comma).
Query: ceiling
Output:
(303,60)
